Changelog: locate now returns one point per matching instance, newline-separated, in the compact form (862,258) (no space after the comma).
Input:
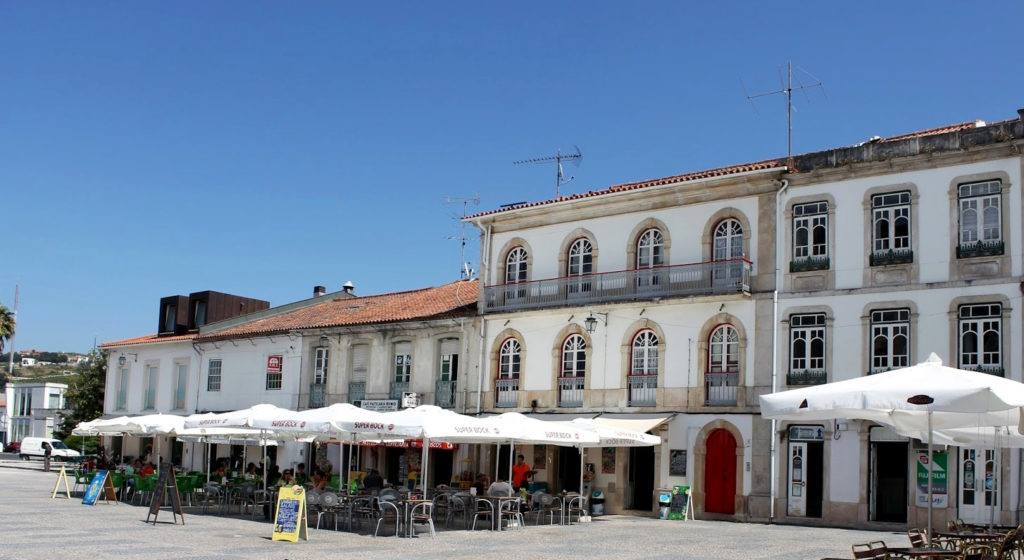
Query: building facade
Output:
(689,296)
(33,409)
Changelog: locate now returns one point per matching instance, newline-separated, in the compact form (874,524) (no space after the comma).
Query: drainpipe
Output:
(773,450)
(485,269)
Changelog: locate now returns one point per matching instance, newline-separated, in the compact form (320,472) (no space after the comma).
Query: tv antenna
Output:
(787,90)
(559,157)
(464,270)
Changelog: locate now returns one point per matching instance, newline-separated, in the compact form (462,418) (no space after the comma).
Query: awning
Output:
(636,422)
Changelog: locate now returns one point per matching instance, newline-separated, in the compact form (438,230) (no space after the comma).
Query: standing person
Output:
(47,451)
(520,471)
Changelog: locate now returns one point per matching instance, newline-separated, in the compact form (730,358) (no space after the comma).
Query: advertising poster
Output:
(939,479)
(290,515)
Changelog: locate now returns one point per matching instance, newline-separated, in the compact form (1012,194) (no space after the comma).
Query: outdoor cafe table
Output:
(923,552)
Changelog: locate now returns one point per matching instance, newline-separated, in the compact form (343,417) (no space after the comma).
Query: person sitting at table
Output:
(221,474)
(320,480)
(499,488)
(373,483)
(273,475)
(287,479)
(250,470)
(300,473)
(481,483)
(148,469)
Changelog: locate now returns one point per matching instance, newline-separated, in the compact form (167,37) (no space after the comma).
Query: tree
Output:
(85,394)
(6,326)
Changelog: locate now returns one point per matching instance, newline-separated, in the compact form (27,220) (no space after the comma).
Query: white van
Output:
(33,447)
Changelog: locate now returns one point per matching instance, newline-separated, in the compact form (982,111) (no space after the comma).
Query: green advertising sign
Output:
(939,479)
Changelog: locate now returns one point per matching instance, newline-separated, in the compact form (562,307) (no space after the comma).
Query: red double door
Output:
(720,473)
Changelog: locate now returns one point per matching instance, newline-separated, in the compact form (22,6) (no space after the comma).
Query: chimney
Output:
(319,291)
(349,287)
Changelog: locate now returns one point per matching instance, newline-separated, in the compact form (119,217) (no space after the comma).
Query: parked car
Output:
(12,447)
(33,447)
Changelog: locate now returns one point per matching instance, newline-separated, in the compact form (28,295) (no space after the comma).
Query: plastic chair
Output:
(144,485)
(544,503)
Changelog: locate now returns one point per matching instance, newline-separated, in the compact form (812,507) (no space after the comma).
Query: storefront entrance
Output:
(889,476)
(806,466)
(978,485)
(640,492)
(720,473)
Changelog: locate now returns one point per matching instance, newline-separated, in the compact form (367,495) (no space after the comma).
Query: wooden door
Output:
(720,473)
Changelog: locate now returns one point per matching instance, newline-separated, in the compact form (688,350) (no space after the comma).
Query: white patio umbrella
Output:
(917,398)
(439,424)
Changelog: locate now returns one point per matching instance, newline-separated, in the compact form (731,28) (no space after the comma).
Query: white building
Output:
(33,409)
(654,300)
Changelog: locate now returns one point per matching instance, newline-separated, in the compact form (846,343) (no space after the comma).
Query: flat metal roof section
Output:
(632,421)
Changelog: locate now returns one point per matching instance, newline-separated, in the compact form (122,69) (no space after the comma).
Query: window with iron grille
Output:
(213,375)
(890,228)
(890,339)
(810,236)
(980,219)
(981,343)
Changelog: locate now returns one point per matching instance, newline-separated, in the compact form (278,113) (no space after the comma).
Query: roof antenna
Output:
(464,270)
(787,89)
(559,157)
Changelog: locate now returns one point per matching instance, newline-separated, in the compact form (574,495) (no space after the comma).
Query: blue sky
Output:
(261,148)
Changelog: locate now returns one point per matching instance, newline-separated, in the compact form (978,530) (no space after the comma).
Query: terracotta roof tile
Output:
(449,300)
(148,339)
(721,171)
(707,174)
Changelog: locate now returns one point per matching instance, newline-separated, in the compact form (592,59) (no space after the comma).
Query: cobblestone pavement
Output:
(32,525)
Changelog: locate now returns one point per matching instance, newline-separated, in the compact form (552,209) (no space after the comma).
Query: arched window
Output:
(645,354)
(573,372)
(643,371)
(574,356)
(649,249)
(580,266)
(723,350)
(728,242)
(722,377)
(508,362)
(515,266)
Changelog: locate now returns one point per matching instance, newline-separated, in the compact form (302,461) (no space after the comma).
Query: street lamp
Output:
(590,323)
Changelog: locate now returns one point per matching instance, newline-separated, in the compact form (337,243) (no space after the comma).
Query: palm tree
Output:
(6,326)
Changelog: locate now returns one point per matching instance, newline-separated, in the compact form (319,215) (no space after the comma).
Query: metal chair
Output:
(387,511)
(422,513)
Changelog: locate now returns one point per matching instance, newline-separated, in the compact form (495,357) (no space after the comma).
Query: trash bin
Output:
(597,503)
(664,503)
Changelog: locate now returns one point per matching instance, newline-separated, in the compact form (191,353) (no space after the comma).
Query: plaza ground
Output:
(32,525)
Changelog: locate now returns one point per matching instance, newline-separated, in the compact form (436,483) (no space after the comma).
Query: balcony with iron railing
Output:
(891,257)
(506,393)
(807,377)
(809,264)
(980,249)
(397,388)
(570,391)
(317,395)
(706,278)
(356,391)
(444,395)
(643,389)
(720,388)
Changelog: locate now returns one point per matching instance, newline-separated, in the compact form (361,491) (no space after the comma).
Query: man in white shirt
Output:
(499,488)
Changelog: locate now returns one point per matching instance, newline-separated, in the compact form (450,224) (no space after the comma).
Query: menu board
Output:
(166,484)
(290,515)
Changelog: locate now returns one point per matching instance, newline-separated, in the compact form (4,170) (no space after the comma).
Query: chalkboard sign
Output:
(100,486)
(166,484)
(680,503)
(290,515)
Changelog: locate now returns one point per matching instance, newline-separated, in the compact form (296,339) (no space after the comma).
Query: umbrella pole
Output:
(582,459)
(207,460)
(263,438)
(511,459)
(423,467)
(931,461)
(995,478)
(497,460)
